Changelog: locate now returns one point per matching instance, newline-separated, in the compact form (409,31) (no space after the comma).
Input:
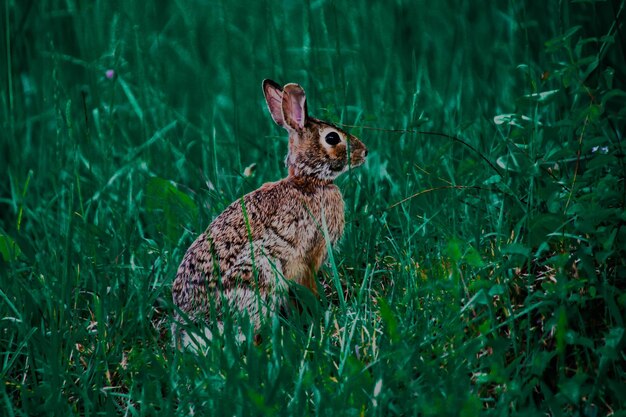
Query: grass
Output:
(482,270)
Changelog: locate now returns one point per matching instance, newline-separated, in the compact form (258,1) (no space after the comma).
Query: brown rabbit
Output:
(275,233)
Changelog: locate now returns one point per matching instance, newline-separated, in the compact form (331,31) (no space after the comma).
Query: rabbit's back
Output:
(269,235)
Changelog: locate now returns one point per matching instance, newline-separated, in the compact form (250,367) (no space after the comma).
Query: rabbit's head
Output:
(316,148)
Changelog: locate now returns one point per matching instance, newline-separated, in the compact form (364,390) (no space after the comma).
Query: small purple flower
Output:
(109,74)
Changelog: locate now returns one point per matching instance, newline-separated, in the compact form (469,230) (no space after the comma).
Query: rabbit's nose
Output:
(365,152)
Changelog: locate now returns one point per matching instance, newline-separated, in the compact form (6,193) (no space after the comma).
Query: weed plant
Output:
(482,270)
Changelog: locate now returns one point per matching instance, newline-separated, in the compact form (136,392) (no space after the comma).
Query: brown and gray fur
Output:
(275,233)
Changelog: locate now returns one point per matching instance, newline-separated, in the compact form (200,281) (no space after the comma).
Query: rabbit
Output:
(273,234)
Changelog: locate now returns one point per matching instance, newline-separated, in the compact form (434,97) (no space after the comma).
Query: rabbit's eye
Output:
(333,138)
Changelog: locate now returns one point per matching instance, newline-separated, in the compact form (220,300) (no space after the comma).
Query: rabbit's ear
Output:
(274,99)
(294,106)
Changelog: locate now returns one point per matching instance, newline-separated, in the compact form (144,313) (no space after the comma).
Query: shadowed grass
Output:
(482,268)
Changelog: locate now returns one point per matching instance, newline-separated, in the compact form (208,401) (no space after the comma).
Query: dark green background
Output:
(482,269)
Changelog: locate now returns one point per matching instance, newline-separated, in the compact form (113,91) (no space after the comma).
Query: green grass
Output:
(483,266)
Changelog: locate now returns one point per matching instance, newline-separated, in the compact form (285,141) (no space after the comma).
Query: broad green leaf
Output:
(473,258)
(472,406)
(516,249)
(174,207)
(494,179)
(390,320)
(541,98)
(613,95)
(509,162)
(615,336)
(497,289)
(480,298)
(571,387)
(9,249)
(453,249)
(561,40)
(541,226)
(513,119)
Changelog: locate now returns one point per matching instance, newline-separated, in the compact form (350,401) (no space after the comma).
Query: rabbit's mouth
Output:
(358,158)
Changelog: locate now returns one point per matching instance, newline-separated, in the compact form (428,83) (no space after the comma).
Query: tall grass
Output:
(482,266)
